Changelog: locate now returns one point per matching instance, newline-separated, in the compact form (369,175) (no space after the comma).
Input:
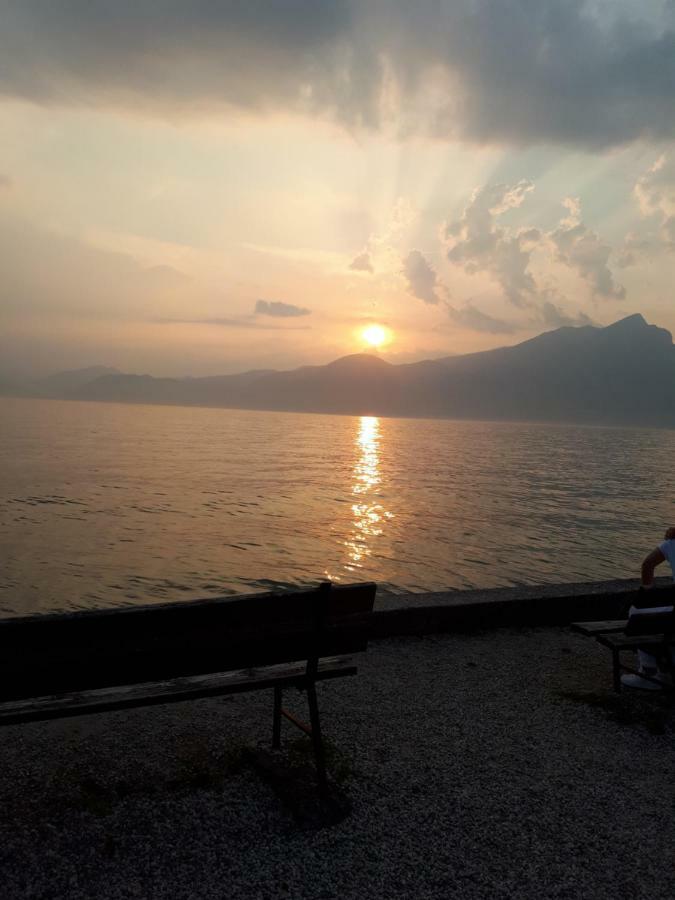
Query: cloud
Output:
(478,244)
(581,249)
(469,316)
(381,250)
(279,310)
(637,246)
(222,322)
(75,278)
(422,280)
(655,192)
(162,277)
(362,263)
(557,318)
(517,71)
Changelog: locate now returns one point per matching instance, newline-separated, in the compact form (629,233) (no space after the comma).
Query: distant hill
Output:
(11,386)
(62,383)
(622,374)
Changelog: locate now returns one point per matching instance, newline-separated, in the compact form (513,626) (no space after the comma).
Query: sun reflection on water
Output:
(369,516)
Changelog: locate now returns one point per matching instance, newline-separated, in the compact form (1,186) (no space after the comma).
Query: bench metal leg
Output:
(670,664)
(276,720)
(666,664)
(313,731)
(316,739)
(616,670)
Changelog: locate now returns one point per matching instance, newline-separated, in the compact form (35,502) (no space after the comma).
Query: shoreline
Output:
(465,611)
(426,612)
(547,423)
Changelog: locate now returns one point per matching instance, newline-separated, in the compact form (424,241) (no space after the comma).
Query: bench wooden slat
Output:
(591,629)
(631,641)
(177,690)
(61,653)
(75,664)
(649,628)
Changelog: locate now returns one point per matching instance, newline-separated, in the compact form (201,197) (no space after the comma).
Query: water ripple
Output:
(104,505)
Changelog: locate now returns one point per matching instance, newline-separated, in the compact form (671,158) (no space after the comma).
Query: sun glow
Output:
(375,335)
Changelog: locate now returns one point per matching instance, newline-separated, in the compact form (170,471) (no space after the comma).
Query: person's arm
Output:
(649,563)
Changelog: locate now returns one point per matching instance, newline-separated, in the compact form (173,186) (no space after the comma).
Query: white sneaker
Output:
(637,681)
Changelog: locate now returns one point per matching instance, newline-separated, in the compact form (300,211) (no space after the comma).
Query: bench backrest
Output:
(66,652)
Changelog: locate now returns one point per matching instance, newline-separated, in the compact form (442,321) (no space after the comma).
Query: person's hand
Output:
(670,533)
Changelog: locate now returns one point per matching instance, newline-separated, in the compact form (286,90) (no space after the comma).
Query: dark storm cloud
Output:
(169,53)
(280,310)
(520,71)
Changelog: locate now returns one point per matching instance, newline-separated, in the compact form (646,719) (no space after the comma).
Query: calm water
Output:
(104,504)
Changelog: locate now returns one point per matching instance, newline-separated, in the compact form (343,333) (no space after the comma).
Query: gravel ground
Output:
(489,765)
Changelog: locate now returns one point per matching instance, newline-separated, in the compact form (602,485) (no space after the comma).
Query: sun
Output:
(375,335)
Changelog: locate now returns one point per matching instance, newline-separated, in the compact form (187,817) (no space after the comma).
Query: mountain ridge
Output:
(621,374)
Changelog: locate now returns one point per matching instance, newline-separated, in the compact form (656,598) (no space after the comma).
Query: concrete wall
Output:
(558,604)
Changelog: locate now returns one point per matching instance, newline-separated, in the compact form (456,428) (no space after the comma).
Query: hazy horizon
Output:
(622,374)
(106,367)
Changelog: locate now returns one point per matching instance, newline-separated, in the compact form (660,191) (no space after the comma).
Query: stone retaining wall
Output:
(556,604)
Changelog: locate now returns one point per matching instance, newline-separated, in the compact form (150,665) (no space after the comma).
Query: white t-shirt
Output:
(668,550)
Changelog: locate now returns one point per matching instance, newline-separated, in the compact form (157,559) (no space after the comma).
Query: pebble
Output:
(489,765)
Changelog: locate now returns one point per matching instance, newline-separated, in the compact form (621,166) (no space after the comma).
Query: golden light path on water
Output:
(111,504)
(369,515)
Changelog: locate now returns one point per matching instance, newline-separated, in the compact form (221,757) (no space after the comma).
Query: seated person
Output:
(647,664)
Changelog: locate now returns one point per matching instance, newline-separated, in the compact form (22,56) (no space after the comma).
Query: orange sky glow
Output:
(172,204)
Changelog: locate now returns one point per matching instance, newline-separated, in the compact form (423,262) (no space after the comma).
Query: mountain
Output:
(11,386)
(623,374)
(62,383)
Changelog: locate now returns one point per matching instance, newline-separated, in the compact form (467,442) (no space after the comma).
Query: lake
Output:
(107,504)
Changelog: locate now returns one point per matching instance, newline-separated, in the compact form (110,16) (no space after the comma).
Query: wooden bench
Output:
(653,632)
(72,664)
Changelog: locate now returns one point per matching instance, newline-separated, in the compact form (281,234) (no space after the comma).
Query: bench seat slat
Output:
(632,641)
(176,690)
(648,627)
(594,628)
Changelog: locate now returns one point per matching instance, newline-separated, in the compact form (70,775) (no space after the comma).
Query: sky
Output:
(204,188)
